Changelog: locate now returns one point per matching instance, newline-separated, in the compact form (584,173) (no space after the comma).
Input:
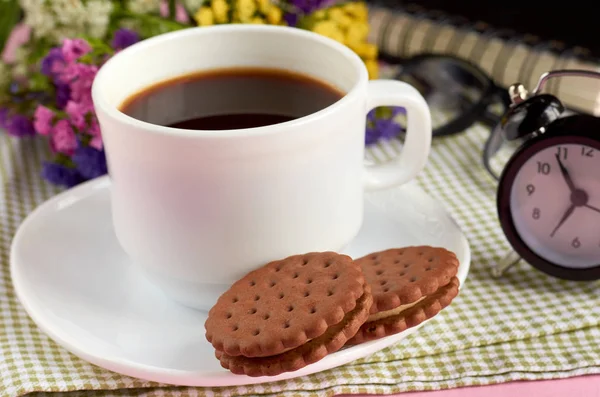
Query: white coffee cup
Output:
(196,210)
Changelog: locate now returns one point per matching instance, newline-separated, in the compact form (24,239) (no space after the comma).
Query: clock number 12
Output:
(587,152)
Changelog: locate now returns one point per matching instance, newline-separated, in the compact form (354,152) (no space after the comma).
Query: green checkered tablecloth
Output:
(524,326)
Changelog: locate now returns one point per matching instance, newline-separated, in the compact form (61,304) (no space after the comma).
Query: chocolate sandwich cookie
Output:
(409,285)
(289,313)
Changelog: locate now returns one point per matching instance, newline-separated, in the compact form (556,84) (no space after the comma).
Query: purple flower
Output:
(37,96)
(291,19)
(14,87)
(308,6)
(304,7)
(19,126)
(60,175)
(396,110)
(387,128)
(53,63)
(371,137)
(124,38)
(3,118)
(90,162)
(382,127)
(63,95)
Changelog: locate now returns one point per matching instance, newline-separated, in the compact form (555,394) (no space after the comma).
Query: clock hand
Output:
(565,174)
(592,208)
(563,219)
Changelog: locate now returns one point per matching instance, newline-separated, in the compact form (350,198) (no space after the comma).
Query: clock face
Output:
(555,204)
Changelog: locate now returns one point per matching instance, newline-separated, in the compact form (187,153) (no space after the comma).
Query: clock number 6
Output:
(576,243)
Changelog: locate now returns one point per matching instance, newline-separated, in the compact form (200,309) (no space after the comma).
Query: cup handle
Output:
(417,144)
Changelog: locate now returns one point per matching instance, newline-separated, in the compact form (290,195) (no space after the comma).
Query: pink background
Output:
(581,386)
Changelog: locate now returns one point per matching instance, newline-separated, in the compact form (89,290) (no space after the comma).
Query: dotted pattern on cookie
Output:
(411,317)
(308,353)
(404,275)
(283,304)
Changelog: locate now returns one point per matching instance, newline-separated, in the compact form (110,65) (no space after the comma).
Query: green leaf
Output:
(39,82)
(172,9)
(37,50)
(383,112)
(85,138)
(146,25)
(64,160)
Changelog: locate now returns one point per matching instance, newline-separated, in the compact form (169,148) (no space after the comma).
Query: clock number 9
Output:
(530,189)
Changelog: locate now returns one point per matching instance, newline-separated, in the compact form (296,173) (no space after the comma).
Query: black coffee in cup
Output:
(231,99)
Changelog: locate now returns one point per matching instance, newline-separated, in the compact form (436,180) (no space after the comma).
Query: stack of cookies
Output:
(293,312)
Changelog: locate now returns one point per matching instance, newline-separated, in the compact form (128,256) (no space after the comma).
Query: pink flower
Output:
(94,131)
(73,49)
(77,112)
(180,12)
(96,142)
(43,120)
(18,37)
(63,138)
(81,85)
(73,69)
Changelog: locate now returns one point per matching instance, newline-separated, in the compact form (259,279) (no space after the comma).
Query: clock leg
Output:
(509,260)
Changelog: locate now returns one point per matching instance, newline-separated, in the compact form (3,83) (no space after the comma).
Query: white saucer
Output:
(78,286)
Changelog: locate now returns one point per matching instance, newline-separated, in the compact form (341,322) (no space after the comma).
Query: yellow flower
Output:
(264,6)
(204,16)
(320,14)
(274,15)
(245,9)
(329,29)
(257,21)
(356,9)
(220,9)
(357,33)
(365,50)
(372,68)
(340,17)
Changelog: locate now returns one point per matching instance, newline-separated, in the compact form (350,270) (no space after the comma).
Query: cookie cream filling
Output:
(392,312)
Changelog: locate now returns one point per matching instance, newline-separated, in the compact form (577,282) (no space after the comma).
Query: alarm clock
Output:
(548,198)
